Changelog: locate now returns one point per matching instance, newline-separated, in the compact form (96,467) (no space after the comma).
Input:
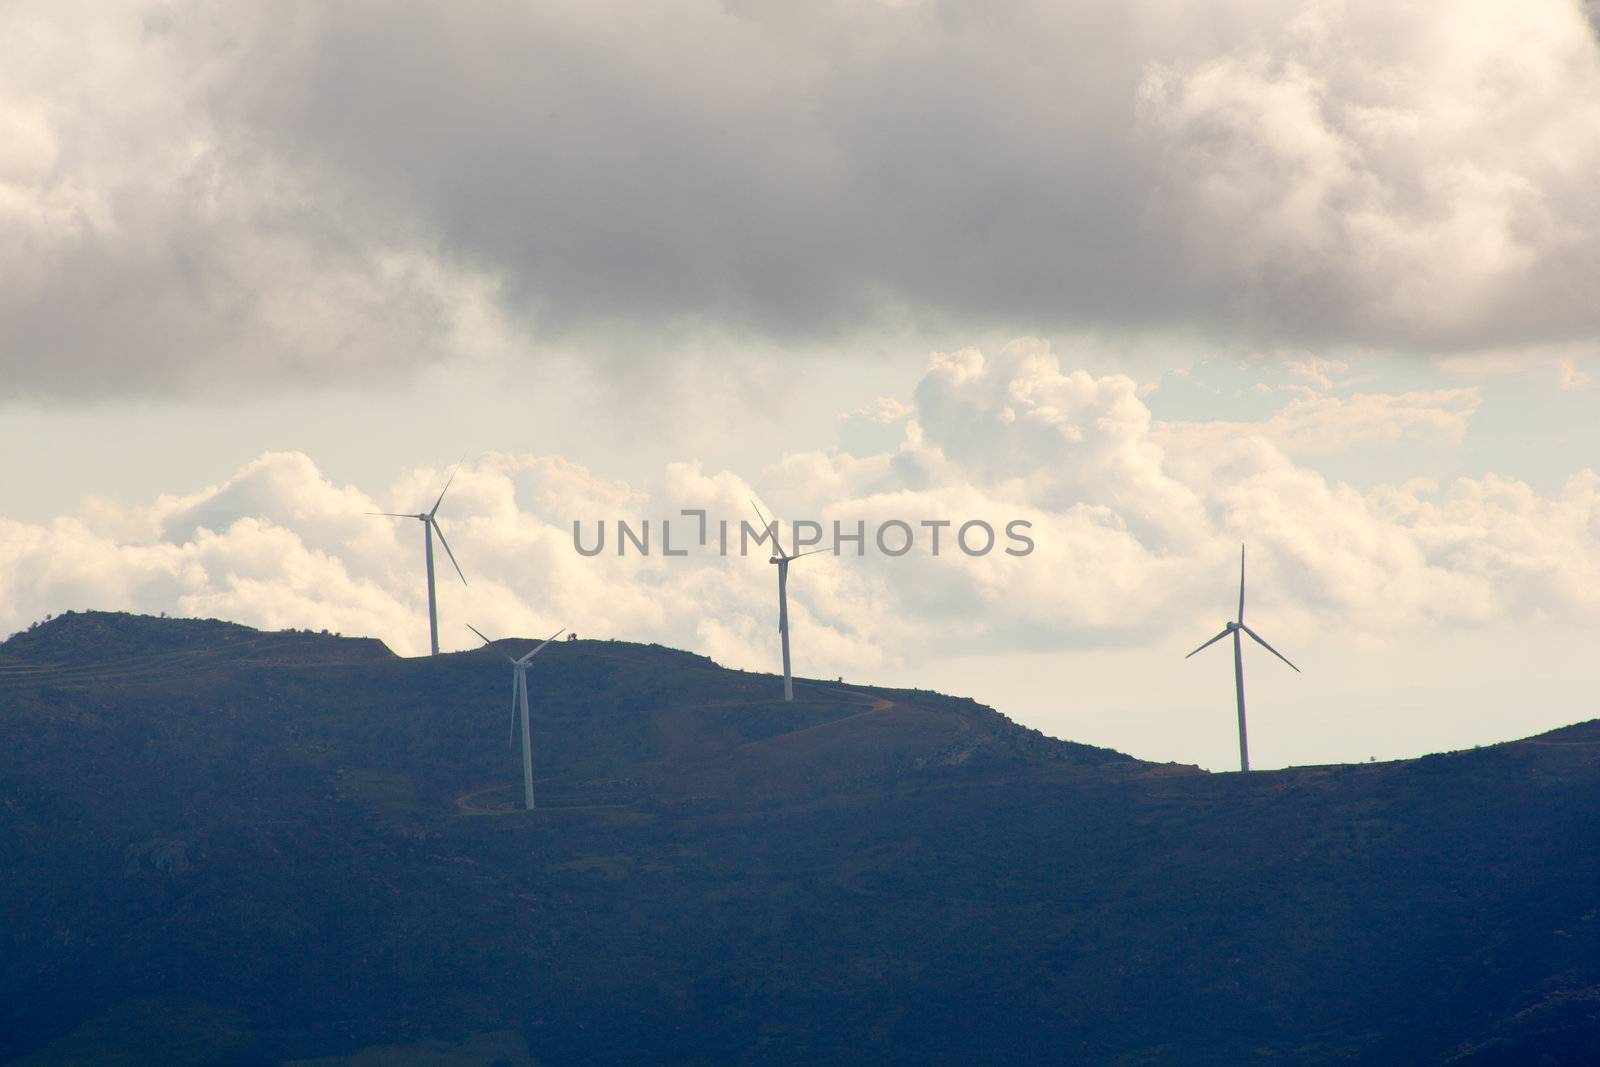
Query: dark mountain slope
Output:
(273,846)
(106,639)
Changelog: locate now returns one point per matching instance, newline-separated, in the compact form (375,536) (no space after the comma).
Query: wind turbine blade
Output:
(772,527)
(812,551)
(1241,585)
(391,514)
(447,551)
(1260,641)
(479,632)
(445,490)
(511,729)
(540,649)
(1211,642)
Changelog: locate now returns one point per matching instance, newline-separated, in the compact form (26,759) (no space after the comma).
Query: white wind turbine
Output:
(430,526)
(1236,628)
(519,696)
(782,561)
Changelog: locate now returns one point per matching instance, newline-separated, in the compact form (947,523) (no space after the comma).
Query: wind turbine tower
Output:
(519,698)
(781,560)
(430,526)
(1236,628)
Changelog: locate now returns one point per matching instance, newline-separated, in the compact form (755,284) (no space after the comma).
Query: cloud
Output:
(1313,422)
(1137,527)
(1317,370)
(195,197)
(1571,376)
(153,244)
(1387,171)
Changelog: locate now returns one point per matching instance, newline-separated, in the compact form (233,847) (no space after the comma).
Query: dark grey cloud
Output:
(300,191)
(729,166)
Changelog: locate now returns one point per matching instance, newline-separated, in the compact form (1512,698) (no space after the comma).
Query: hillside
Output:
(227,846)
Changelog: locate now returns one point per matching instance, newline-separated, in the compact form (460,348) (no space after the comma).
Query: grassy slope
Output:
(275,846)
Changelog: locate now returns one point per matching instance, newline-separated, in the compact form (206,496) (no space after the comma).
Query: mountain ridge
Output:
(274,847)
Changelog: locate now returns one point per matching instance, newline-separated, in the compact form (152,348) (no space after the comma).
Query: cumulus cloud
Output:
(194,196)
(1315,422)
(1385,172)
(1136,525)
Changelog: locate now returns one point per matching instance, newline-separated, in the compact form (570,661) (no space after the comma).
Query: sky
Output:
(1157,279)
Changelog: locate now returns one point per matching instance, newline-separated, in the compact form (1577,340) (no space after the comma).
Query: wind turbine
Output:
(1236,628)
(430,526)
(782,562)
(519,695)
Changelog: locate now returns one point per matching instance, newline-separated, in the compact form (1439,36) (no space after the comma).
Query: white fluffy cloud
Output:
(1315,421)
(1408,171)
(1136,524)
